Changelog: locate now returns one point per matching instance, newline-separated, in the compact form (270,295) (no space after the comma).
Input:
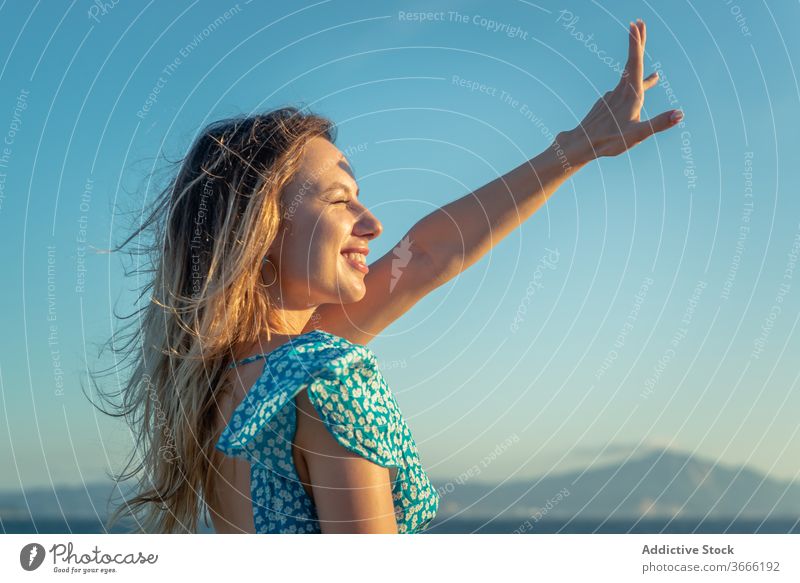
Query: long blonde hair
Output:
(211,228)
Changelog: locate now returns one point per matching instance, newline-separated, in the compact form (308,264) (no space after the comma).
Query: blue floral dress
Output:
(352,398)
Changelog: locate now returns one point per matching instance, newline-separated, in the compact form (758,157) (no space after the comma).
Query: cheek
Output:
(311,248)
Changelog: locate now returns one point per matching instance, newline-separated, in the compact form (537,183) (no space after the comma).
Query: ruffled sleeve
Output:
(359,411)
(346,389)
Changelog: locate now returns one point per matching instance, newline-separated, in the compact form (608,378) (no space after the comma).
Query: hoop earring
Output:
(266,261)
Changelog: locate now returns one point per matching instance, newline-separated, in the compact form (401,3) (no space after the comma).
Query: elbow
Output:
(439,266)
(447,268)
(433,263)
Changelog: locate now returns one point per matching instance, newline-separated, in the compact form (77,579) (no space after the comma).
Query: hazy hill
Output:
(658,484)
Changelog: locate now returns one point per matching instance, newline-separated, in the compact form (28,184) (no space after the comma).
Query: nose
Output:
(368,225)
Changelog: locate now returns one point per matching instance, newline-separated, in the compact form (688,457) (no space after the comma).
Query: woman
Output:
(253,392)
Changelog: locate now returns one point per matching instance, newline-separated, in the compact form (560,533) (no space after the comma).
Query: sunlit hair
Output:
(209,231)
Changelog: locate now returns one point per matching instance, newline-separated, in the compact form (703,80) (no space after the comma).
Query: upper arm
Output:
(351,493)
(395,282)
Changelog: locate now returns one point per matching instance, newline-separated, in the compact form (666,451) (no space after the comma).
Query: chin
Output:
(355,296)
(352,294)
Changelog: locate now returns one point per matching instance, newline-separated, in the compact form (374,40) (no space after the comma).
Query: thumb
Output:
(659,123)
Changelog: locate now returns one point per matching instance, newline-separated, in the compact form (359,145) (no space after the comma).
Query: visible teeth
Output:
(359,257)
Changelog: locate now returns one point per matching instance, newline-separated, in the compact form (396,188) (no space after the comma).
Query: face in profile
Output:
(322,247)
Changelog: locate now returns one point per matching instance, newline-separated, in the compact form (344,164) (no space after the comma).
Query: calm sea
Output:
(462,526)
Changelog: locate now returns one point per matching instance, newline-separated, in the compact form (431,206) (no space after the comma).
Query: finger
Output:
(631,49)
(650,81)
(640,51)
(659,123)
(642,32)
(634,66)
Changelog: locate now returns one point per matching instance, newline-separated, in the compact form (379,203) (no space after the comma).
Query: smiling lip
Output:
(362,267)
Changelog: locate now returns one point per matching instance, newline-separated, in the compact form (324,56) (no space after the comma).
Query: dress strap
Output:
(247,360)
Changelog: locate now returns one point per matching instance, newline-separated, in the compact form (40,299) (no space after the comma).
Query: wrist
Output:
(574,147)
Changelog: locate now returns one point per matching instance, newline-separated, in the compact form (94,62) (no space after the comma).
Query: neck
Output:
(290,321)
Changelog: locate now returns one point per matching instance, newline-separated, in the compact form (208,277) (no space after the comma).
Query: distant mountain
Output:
(660,484)
(656,487)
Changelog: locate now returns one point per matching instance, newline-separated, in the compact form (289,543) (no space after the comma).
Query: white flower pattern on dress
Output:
(352,398)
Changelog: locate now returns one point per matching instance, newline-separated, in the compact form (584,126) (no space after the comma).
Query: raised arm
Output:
(455,236)
(460,233)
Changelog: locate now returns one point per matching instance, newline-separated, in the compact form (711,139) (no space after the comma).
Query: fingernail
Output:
(676,116)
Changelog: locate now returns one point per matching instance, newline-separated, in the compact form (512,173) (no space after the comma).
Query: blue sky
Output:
(665,315)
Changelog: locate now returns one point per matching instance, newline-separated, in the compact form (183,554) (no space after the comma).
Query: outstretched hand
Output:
(613,126)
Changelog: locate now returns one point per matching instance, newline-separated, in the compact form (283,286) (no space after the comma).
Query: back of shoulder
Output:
(352,387)
(341,385)
(352,403)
